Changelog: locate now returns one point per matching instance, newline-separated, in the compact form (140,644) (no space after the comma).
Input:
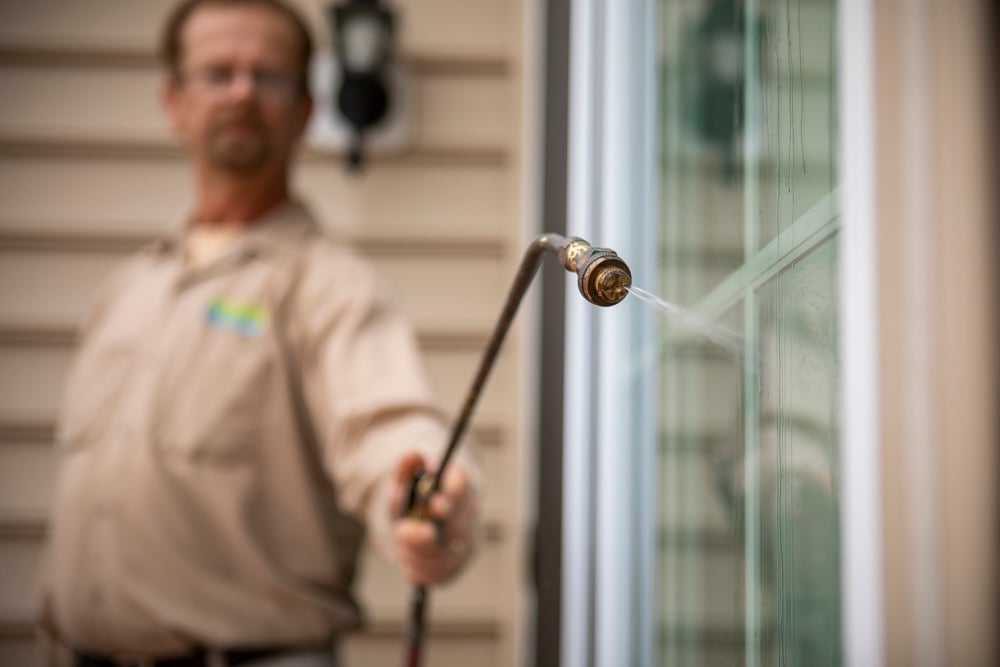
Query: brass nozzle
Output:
(602,276)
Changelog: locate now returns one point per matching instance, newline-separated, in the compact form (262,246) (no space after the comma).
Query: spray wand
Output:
(603,279)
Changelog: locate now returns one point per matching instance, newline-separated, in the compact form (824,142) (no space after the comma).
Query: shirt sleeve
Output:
(366,386)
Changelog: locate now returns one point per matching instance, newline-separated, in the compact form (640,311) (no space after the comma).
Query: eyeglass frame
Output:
(268,82)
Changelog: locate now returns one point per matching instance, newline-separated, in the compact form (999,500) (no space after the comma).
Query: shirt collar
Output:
(280,230)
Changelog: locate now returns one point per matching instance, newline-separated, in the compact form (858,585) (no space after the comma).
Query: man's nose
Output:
(242,86)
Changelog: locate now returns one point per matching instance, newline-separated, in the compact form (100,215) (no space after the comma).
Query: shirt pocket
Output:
(213,409)
(95,389)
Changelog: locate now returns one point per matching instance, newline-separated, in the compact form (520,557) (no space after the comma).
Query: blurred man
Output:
(246,401)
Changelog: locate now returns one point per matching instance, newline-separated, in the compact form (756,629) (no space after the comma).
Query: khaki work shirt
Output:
(227,434)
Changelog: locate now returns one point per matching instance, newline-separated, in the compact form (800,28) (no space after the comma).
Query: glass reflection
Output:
(749,542)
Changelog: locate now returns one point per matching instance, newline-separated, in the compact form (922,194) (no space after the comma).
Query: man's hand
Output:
(425,556)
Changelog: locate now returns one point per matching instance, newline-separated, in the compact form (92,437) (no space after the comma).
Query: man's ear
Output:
(170,102)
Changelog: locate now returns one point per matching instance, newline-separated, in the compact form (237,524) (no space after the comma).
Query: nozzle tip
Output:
(604,279)
(613,283)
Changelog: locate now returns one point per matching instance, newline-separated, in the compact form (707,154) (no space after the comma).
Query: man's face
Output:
(237,101)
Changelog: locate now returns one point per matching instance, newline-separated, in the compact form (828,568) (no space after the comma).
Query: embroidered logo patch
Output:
(248,319)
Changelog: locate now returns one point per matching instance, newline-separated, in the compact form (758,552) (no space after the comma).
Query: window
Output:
(702,463)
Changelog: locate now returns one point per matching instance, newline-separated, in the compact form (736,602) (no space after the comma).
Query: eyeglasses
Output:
(271,83)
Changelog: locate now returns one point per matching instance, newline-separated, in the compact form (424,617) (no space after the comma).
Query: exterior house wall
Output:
(88,173)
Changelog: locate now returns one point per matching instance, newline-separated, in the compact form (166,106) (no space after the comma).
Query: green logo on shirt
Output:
(248,319)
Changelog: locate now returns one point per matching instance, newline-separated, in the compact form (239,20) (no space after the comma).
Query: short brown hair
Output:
(171,45)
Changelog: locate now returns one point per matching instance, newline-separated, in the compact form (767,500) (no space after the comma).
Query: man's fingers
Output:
(454,494)
(422,558)
(425,556)
(418,538)
(423,575)
(455,482)
(441,507)
(408,464)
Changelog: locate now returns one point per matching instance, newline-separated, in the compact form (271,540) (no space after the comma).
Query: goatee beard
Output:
(246,154)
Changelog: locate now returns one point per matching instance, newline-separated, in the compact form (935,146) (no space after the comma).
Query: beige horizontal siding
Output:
(73,146)
(88,173)
(145,195)
(18,579)
(466,648)
(385,594)
(27,478)
(121,104)
(458,28)
(449,643)
(457,630)
(27,471)
(19,650)
(60,285)
(32,380)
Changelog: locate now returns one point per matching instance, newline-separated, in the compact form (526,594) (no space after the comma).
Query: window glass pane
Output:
(701,134)
(701,575)
(748,552)
(797,473)
(795,111)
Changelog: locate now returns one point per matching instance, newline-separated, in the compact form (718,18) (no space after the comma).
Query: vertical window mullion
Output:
(751,330)
(578,461)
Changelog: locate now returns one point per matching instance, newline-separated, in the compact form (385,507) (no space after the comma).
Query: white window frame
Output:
(609,474)
(861,506)
(609,480)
